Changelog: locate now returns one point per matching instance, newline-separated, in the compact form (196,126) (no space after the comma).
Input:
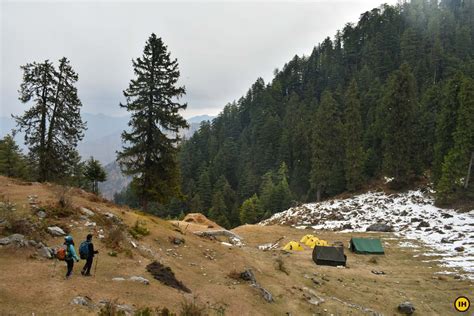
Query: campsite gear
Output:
(329,256)
(84,249)
(367,246)
(293,245)
(305,238)
(313,242)
(61,253)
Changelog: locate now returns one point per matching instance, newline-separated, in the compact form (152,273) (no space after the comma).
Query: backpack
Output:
(61,253)
(84,249)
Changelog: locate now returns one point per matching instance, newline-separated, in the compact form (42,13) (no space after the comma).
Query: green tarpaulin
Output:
(367,246)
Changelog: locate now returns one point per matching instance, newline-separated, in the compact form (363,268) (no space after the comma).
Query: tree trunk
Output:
(466,182)
(318,194)
(42,156)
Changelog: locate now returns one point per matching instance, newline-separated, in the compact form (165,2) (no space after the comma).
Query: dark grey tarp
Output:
(329,256)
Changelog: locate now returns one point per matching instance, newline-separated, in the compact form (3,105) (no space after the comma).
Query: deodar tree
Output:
(53,124)
(150,147)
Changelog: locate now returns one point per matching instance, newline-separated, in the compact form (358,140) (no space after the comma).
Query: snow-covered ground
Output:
(412,215)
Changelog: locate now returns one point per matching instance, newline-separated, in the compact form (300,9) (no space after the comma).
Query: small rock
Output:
(17,239)
(56,231)
(347,226)
(87,211)
(118,279)
(379,228)
(446,241)
(459,249)
(32,243)
(45,252)
(448,227)
(139,279)
(83,301)
(126,309)
(41,214)
(423,224)
(406,308)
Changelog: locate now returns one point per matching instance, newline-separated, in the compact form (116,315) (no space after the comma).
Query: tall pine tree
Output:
(354,158)
(327,170)
(400,126)
(149,153)
(53,125)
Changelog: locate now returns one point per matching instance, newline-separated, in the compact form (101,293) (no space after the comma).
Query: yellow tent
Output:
(293,245)
(313,242)
(305,238)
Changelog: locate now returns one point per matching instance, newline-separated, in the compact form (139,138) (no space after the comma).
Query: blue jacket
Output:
(71,252)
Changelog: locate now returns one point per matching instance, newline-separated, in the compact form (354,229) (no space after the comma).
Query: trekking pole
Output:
(95,267)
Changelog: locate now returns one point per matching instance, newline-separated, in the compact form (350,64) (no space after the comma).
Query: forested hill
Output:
(390,96)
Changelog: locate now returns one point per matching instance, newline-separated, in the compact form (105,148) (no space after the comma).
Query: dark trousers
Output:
(87,267)
(70,265)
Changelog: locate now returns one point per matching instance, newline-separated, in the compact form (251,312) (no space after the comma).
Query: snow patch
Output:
(412,215)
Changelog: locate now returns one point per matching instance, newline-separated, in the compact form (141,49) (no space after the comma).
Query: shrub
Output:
(138,230)
(192,308)
(110,309)
(115,238)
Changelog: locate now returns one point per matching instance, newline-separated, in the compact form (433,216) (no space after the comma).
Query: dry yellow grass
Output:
(37,285)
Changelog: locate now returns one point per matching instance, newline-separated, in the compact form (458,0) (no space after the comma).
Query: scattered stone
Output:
(415,219)
(446,215)
(41,214)
(45,252)
(446,241)
(32,243)
(87,211)
(83,301)
(56,231)
(139,279)
(347,226)
(423,224)
(457,277)
(459,249)
(406,308)
(118,279)
(248,275)
(17,239)
(377,272)
(176,240)
(448,227)
(379,228)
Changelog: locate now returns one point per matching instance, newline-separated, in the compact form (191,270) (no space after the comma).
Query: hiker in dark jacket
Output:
(86,271)
(70,255)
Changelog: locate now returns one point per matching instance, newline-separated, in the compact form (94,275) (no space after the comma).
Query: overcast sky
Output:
(221,47)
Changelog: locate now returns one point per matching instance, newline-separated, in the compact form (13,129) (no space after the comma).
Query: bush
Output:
(110,309)
(138,230)
(115,238)
(192,308)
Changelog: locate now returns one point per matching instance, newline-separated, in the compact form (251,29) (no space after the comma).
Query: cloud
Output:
(222,47)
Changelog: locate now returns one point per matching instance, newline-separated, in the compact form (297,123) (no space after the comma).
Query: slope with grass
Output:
(208,267)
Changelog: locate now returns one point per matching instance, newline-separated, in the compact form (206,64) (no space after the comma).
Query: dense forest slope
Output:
(389,96)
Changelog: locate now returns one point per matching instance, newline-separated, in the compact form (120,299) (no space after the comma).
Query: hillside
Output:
(391,95)
(33,284)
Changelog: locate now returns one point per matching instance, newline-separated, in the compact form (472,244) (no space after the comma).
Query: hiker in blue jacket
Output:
(87,252)
(70,255)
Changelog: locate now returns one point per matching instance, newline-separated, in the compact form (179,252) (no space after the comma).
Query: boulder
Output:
(17,239)
(45,252)
(139,279)
(87,211)
(406,308)
(56,231)
(83,301)
(379,228)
